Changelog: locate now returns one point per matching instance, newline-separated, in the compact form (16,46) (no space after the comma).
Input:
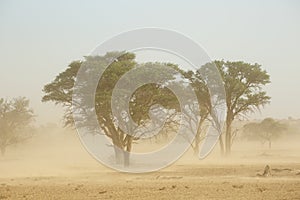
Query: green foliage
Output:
(244,84)
(244,87)
(61,90)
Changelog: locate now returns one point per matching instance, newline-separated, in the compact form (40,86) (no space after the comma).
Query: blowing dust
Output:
(55,151)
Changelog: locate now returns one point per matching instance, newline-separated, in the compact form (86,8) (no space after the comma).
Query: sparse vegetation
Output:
(265,131)
(15,117)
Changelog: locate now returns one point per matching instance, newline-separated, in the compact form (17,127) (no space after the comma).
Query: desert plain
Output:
(56,166)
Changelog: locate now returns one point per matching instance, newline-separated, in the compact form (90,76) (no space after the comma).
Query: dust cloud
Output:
(52,151)
(54,164)
(55,151)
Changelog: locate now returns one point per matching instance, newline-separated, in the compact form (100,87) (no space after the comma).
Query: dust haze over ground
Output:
(54,165)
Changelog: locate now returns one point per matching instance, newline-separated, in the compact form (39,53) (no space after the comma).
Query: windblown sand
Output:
(58,167)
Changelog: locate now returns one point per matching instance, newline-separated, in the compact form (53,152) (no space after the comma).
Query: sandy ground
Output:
(56,171)
(180,182)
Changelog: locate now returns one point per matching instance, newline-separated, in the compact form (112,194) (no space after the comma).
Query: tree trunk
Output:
(126,159)
(270,144)
(228,141)
(197,144)
(198,137)
(228,136)
(127,152)
(118,147)
(118,155)
(196,149)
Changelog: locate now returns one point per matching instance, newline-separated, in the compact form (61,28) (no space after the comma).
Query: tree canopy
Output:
(15,116)
(243,83)
(61,90)
(244,91)
(265,131)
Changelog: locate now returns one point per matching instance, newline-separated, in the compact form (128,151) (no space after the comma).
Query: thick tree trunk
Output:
(118,154)
(122,148)
(117,144)
(126,159)
(198,137)
(228,136)
(127,151)
(197,144)
(228,140)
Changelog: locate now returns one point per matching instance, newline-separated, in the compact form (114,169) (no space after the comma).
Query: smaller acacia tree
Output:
(15,116)
(266,131)
(245,94)
(199,80)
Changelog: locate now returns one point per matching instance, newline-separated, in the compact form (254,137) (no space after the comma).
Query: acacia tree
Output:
(244,92)
(243,83)
(265,131)
(15,117)
(203,85)
(61,90)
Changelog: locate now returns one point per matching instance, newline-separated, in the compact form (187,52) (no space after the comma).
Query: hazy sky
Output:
(39,38)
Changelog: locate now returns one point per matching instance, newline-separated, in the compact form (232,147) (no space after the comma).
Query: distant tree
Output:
(244,92)
(266,131)
(15,117)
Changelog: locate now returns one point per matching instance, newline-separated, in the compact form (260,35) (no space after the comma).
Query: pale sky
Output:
(38,39)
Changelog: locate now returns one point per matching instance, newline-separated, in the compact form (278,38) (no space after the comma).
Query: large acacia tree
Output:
(61,90)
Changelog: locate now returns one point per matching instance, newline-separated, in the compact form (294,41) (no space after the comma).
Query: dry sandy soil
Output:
(184,182)
(61,169)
